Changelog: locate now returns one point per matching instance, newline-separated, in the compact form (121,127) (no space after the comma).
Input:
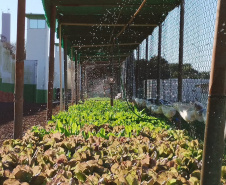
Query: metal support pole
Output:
(65,74)
(51,63)
(19,76)
(146,75)
(181,53)
(76,78)
(60,61)
(216,110)
(159,62)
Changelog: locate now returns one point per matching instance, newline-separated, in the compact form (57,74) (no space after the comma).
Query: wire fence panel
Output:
(152,57)
(170,55)
(199,26)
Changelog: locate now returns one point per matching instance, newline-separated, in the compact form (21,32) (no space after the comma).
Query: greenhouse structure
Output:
(142,95)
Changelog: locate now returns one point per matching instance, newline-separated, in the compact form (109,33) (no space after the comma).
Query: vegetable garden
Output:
(94,143)
(100,142)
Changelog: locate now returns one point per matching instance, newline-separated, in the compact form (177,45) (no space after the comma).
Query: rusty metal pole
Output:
(181,53)
(76,78)
(216,110)
(19,71)
(51,63)
(65,74)
(159,63)
(146,75)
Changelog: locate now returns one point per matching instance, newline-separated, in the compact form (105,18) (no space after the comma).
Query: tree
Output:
(152,68)
(167,70)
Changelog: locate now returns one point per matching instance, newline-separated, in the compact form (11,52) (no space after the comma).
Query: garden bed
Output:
(94,143)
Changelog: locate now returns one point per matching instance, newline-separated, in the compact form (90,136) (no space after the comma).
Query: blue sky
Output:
(32,6)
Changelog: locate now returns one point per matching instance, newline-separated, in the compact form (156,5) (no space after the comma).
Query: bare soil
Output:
(34,114)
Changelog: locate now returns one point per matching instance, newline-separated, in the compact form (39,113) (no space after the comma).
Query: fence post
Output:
(51,63)
(146,71)
(216,111)
(181,53)
(19,76)
(65,74)
(159,62)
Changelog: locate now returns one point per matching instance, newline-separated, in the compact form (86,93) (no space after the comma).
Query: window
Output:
(37,24)
(33,23)
(41,24)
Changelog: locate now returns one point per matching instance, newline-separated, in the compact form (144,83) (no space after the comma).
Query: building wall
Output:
(37,49)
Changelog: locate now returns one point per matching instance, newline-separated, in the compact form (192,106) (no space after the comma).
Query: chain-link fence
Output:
(199,26)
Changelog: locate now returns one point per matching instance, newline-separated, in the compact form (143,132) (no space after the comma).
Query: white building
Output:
(37,60)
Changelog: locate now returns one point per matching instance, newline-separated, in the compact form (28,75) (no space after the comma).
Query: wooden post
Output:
(60,60)
(146,75)
(131,78)
(216,111)
(72,79)
(51,63)
(76,78)
(65,74)
(137,71)
(82,82)
(159,63)
(181,53)
(79,81)
(86,83)
(19,70)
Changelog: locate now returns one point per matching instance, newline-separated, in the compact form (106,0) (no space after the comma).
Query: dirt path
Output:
(34,114)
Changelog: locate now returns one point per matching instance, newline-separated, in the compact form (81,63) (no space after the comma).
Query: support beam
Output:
(114,56)
(105,45)
(60,60)
(65,75)
(159,62)
(19,73)
(113,5)
(216,111)
(51,63)
(106,25)
(181,53)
